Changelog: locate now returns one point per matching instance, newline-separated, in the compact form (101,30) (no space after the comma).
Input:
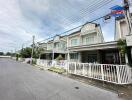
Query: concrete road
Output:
(20,81)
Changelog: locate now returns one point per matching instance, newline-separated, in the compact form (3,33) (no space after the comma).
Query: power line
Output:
(93,6)
(83,12)
(74,28)
(89,9)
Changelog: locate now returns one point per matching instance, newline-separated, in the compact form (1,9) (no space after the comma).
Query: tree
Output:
(59,57)
(17,56)
(1,53)
(121,45)
(8,54)
(26,52)
(38,52)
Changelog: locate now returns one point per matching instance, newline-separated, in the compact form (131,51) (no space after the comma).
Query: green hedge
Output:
(57,70)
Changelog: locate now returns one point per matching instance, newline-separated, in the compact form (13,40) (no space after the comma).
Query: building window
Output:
(63,45)
(56,45)
(50,46)
(74,42)
(74,56)
(90,40)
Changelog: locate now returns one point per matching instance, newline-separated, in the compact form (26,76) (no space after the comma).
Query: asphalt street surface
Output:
(19,81)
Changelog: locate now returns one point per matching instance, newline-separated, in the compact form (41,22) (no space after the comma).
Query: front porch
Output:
(107,56)
(53,55)
(103,53)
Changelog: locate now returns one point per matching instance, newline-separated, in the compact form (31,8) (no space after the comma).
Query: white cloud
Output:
(20,19)
(13,26)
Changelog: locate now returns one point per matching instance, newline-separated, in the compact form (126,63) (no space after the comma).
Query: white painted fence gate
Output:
(119,74)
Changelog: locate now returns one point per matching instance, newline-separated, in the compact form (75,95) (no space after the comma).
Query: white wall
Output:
(121,29)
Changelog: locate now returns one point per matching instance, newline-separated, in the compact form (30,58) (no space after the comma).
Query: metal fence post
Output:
(83,70)
(102,72)
(90,70)
(46,63)
(75,72)
(129,74)
(118,74)
(67,67)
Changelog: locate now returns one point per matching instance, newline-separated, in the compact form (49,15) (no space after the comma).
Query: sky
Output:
(21,19)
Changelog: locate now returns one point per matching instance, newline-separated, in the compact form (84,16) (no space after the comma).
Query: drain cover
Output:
(76,87)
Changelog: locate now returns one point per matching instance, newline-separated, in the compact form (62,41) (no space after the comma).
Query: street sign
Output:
(117,11)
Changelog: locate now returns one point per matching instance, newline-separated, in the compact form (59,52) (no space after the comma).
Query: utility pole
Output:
(22,46)
(11,53)
(127,14)
(126,5)
(32,49)
(15,53)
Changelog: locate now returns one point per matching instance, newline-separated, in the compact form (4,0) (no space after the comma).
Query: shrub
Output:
(57,70)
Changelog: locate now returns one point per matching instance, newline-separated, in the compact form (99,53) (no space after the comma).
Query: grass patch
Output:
(57,70)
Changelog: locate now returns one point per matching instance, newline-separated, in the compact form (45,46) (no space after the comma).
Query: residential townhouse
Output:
(56,47)
(86,45)
(89,34)
(89,46)
(124,31)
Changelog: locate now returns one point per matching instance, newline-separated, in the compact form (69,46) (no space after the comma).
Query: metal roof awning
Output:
(99,46)
(55,51)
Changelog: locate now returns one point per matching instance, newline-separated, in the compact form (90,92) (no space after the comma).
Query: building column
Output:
(53,55)
(126,58)
(39,55)
(131,52)
(99,57)
(79,57)
(68,57)
(130,56)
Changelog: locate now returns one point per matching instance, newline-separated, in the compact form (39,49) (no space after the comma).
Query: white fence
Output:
(5,56)
(119,74)
(52,63)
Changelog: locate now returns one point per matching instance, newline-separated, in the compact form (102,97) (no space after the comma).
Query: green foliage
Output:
(34,61)
(26,52)
(130,65)
(8,53)
(1,53)
(17,56)
(57,70)
(13,54)
(59,57)
(121,44)
(38,51)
